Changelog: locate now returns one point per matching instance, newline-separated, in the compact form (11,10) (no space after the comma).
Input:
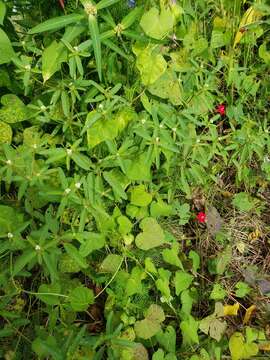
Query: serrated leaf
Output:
(152,235)
(92,241)
(22,261)
(44,292)
(74,253)
(80,298)
(5,133)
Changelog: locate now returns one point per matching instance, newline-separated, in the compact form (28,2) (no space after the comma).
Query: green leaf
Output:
(74,253)
(195,260)
(22,261)
(243,202)
(95,36)
(125,225)
(167,339)
(223,260)
(157,24)
(242,289)
(139,169)
(139,196)
(111,263)
(152,235)
(218,292)
(13,110)
(213,326)
(150,326)
(112,179)
(171,256)
(2,12)
(92,242)
(189,329)
(56,23)
(150,63)
(241,350)
(80,298)
(106,3)
(81,160)
(182,281)
(167,87)
(44,292)
(52,57)
(161,208)
(6,50)
(5,133)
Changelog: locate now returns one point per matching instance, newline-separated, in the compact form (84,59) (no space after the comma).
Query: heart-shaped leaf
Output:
(152,235)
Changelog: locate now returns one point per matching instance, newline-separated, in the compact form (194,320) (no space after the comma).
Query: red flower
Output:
(221,109)
(201,217)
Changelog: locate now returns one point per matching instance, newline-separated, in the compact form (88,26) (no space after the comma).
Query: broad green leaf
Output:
(146,328)
(223,260)
(52,57)
(167,339)
(80,298)
(139,169)
(92,241)
(125,225)
(6,50)
(182,281)
(163,284)
(5,133)
(75,254)
(241,350)
(150,326)
(171,256)
(161,208)
(152,235)
(189,329)
(195,260)
(264,54)
(213,326)
(242,289)
(243,202)
(2,12)
(56,23)
(111,263)
(218,292)
(158,355)
(44,292)
(167,87)
(68,265)
(13,110)
(139,196)
(157,24)
(23,260)
(134,283)
(150,63)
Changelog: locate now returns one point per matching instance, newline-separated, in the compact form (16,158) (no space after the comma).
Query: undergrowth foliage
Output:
(134,172)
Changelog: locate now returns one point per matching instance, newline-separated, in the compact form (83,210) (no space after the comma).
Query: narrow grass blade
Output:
(106,3)
(94,32)
(56,23)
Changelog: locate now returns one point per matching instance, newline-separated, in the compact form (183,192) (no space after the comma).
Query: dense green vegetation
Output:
(134,179)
